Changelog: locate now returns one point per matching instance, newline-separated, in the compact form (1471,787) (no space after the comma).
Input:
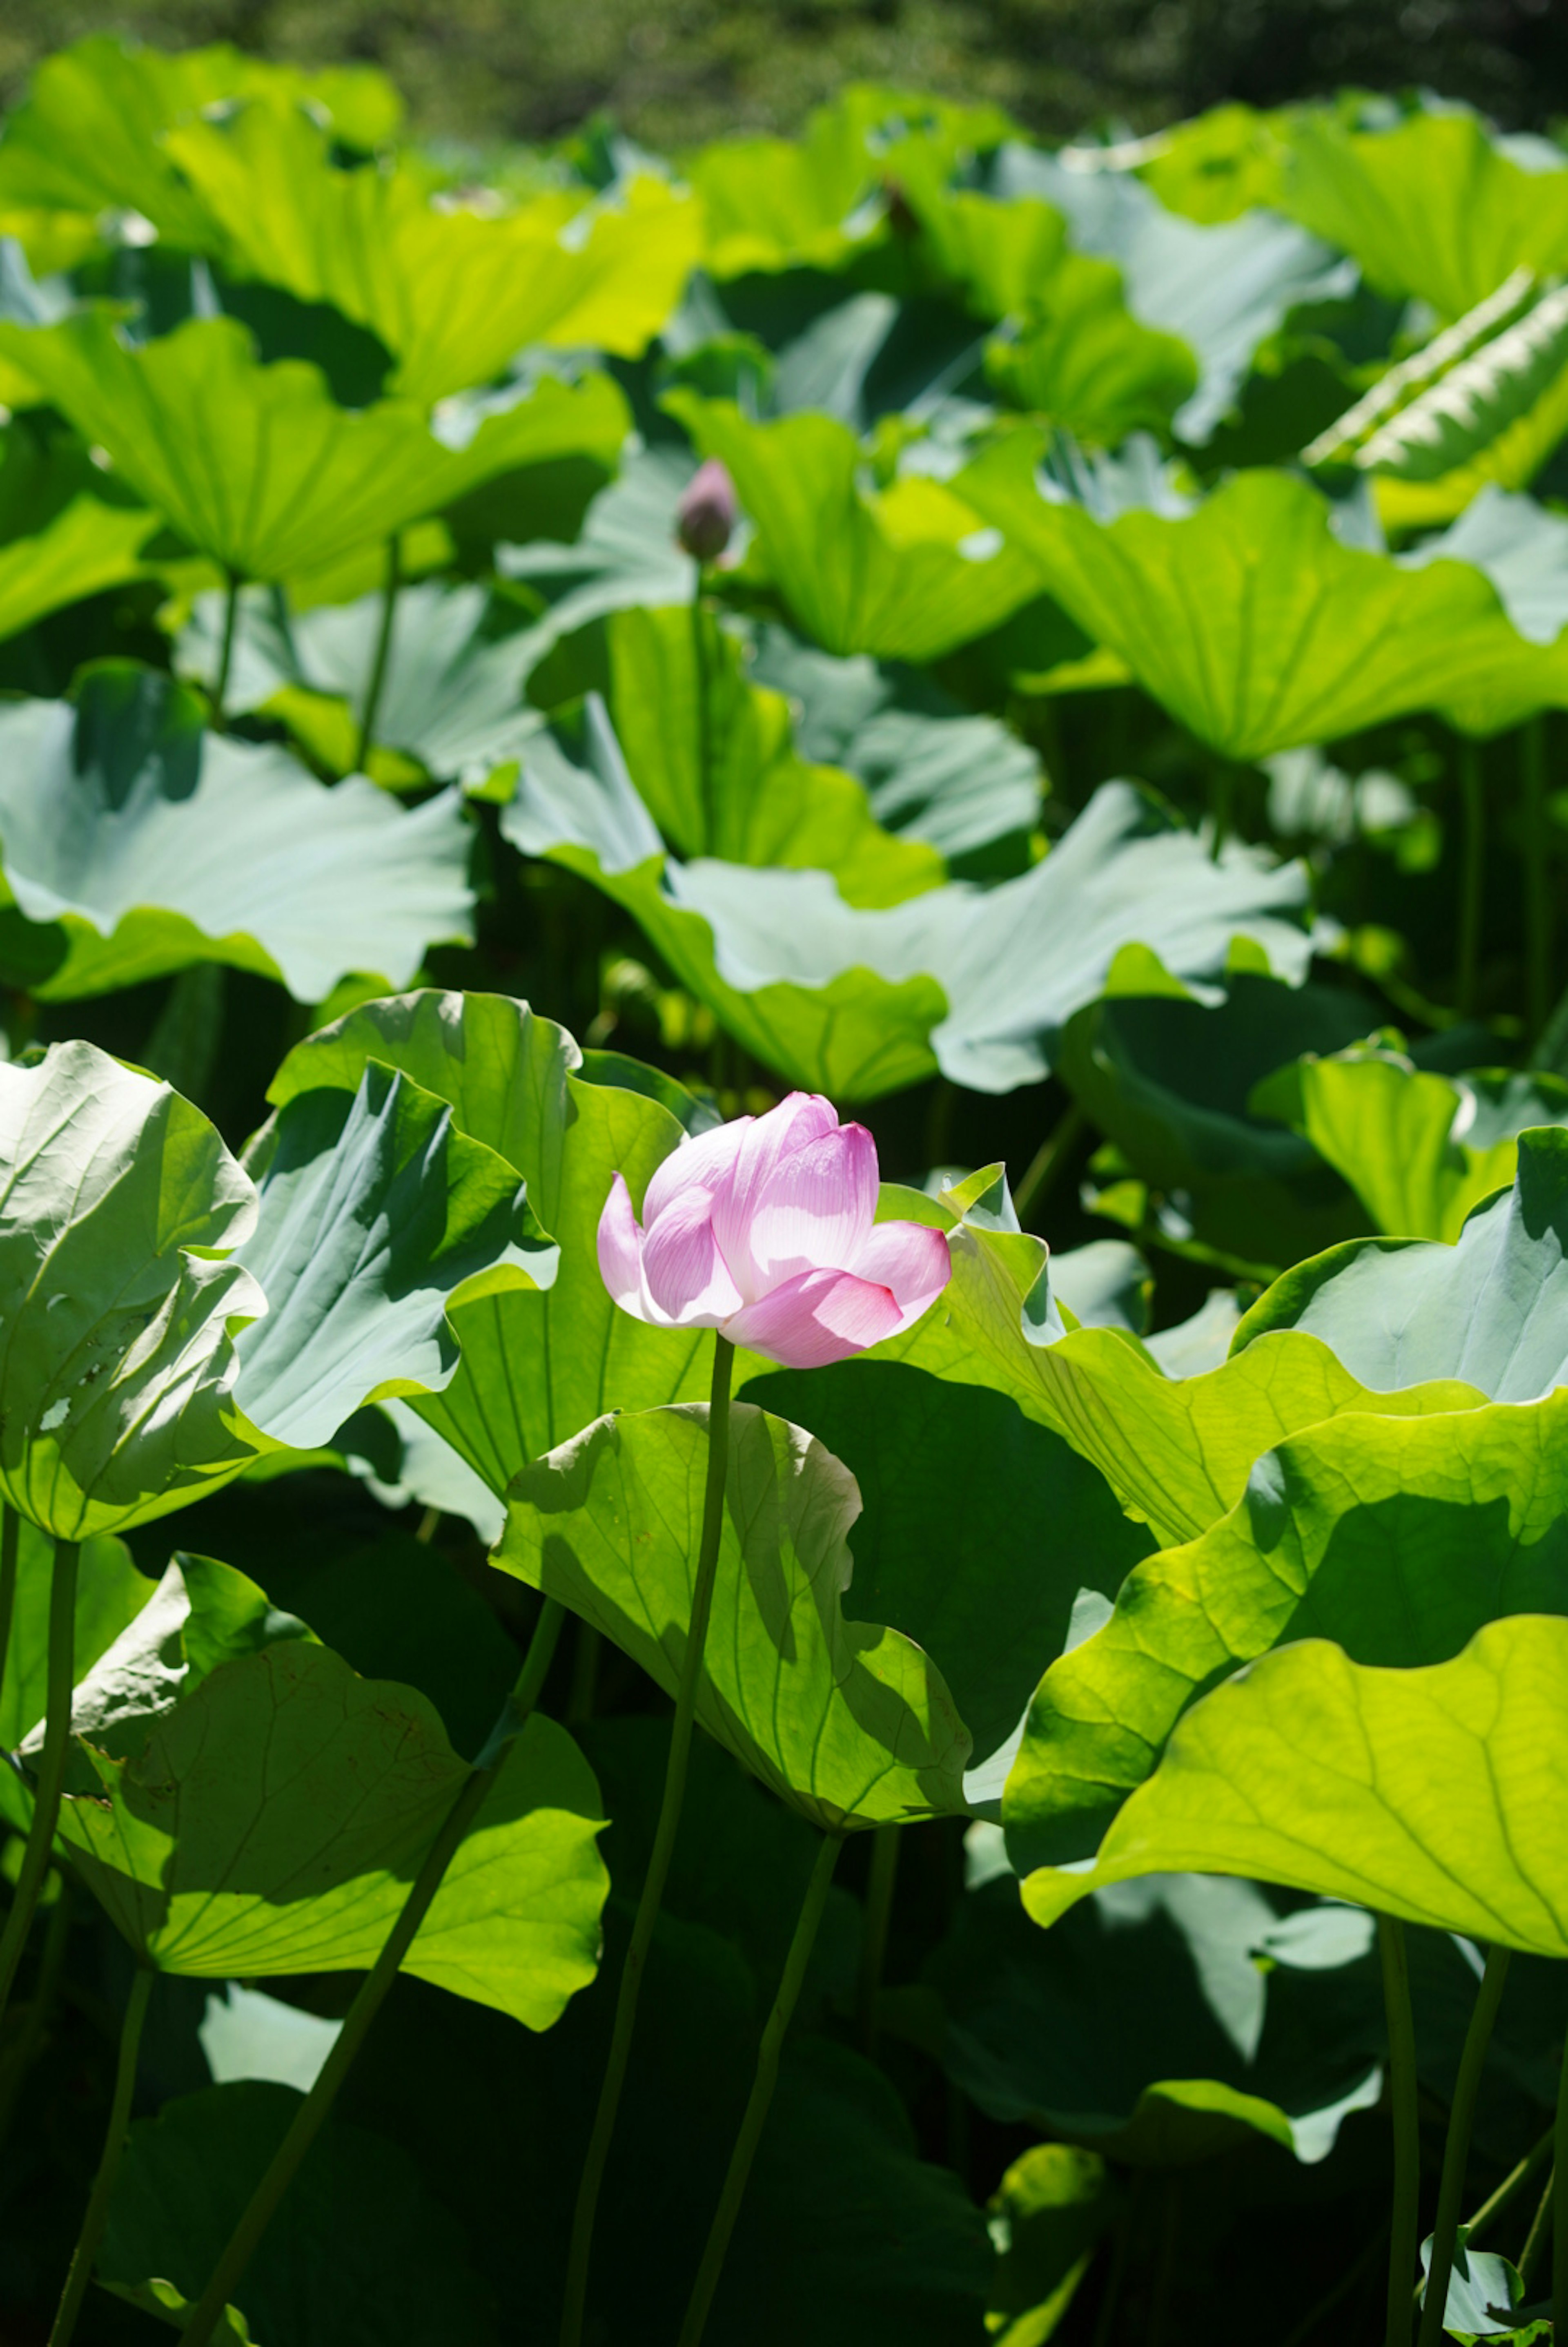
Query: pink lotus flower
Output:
(764,1230)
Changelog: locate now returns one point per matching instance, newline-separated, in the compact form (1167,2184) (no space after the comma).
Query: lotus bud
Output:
(766,1230)
(708,512)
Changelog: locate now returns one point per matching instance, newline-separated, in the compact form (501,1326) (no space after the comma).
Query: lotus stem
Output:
(761,2095)
(382,655)
(704,748)
(1512,2184)
(1540,2232)
(1472,874)
(1560,2208)
(51,1764)
(1537,881)
(580,2255)
(313,2113)
(1041,1173)
(10,1546)
(18,2059)
(226,655)
(878,1909)
(1405,2234)
(1456,2151)
(96,2218)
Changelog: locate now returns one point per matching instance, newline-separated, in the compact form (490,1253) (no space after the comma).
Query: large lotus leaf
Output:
(1250,620)
(1431,208)
(985,1574)
(111,1593)
(85,547)
(535,1367)
(624,555)
(153,846)
(376,1216)
(1420,1149)
(362,2248)
(1487,1309)
(454,293)
(452,687)
(257,466)
(1427,1794)
(1175,1451)
(117,1362)
(1083,362)
(272,1821)
(905,574)
(1046,2218)
(848,1721)
(1524,549)
(1169,1084)
(1396,1539)
(712,758)
(1148,2026)
(1222,289)
(932,769)
(843,999)
(88,136)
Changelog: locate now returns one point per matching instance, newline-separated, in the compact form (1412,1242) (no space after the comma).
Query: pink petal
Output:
(767,1145)
(820,1316)
(911,1261)
(684,1273)
(701,1164)
(621,1249)
(816,1209)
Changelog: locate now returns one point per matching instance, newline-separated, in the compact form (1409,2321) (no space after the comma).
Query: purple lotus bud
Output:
(708,512)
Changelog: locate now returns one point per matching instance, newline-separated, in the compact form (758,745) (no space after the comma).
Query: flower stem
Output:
(705,792)
(1537,882)
(226,655)
(1044,1167)
(1456,2152)
(10,1543)
(51,1764)
(761,2095)
(382,653)
(96,2218)
(1405,2237)
(875,1923)
(308,2118)
(579,2256)
(1472,874)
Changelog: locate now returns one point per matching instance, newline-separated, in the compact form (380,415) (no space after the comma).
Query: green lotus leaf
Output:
(1220,290)
(1397,1539)
(1251,621)
(89,135)
(1426,1794)
(989,1577)
(932,769)
(377,1215)
(1175,1451)
(272,1820)
(843,999)
(905,574)
(1048,2216)
(88,546)
(534,1367)
(452,688)
(1082,362)
(1431,208)
(848,1721)
(362,2240)
(1486,1310)
(119,1308)
(1147,2025)
(626,554)
(154,847)
(1524,549)
(453,294)
(1420,1149)
(256,466)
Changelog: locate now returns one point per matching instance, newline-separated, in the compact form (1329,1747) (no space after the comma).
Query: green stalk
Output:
(1540,2234)
(1472,874)
(875,1923)
(761,2095)
(704,748)
(226,656)
(1507,2191)
(1041,1173)
(1559,2209)
(1405,2235)
(39,2008)
(1456,2151)
(382,653)
(309,2118)
(580,2254)
(10,1543)
(1537,881)
(51,1764)
(96,2218)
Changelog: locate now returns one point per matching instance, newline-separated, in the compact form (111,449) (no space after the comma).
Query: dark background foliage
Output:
(677,71)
